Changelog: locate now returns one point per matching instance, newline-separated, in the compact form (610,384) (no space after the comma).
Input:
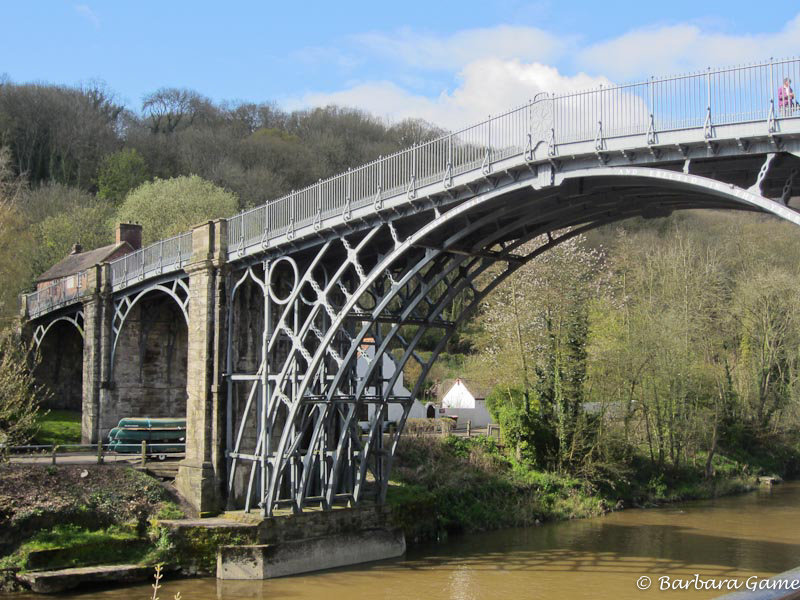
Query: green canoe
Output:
(136,448)
(119,434)
(152,423)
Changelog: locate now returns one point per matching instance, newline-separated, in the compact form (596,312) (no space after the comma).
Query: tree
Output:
(120,173)
(537,326)
(19,394)
(657,347)
(170,108)
(15,240)
(166,207)
(61,216)
(58,133)
(91,226)
(767,312)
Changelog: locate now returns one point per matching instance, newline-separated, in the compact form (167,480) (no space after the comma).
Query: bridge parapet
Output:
(55,295)
(665,110)
(659,111)
(164,256)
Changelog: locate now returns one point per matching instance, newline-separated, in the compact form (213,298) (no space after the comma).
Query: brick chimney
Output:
(131,233)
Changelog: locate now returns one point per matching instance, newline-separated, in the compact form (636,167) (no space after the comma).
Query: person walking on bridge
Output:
(786,97)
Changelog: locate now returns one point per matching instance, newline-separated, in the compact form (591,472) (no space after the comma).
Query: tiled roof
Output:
(74,263)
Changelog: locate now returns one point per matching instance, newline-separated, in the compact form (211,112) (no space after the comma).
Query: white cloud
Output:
(427,51)
(680,48)
(86,12)
(495,69)
(488,86)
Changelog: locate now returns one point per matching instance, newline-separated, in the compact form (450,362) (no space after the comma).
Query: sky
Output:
(450,63)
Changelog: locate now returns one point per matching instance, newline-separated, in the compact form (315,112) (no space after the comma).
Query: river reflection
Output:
(734,537)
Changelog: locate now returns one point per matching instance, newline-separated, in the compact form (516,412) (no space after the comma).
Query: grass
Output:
(59,427)
(71,545)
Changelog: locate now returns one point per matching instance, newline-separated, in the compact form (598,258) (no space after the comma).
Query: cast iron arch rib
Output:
(43,328)
(673,191)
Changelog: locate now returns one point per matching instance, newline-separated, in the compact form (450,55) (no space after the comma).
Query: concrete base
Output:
(303,556)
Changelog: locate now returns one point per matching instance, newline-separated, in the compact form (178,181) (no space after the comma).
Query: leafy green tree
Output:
(166,207)
(59,217)
(120,173)
(525,427)
(90,225)
(16,240)
(19,394)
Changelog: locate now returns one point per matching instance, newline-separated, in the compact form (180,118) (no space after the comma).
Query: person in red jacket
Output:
(786,97)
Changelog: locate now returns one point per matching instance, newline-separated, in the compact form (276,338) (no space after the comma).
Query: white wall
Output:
(458,396)
(478,416)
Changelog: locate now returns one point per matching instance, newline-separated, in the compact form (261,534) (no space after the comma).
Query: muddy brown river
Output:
(728,539)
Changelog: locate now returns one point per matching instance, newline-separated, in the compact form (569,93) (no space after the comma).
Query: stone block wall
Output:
(149,371)
(61,367)
(324,523)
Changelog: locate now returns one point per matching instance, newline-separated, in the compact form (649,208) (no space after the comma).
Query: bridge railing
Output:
(164,256)
(699,100)
(703,100)
(56,294)
(694,101)
(397,174)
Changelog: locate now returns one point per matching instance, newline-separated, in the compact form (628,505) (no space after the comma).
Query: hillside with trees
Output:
(71,159)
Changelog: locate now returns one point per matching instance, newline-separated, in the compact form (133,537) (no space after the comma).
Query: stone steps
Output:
(54,582)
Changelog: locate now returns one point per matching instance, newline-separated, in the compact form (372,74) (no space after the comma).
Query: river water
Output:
(756,534)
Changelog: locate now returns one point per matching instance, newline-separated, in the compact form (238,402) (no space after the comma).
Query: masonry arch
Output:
(60,368)
(149,355)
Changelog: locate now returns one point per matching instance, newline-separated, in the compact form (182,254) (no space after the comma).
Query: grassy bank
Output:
(448,485)
(77,515)
(58,427)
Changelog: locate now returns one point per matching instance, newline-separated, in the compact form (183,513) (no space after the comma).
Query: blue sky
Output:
(448,62)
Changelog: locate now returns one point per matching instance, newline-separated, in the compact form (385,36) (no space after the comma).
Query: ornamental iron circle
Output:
(275,278)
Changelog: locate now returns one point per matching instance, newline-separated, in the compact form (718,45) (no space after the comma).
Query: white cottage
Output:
(460,402)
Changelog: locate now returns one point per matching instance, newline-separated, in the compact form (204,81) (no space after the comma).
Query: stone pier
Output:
(199,475)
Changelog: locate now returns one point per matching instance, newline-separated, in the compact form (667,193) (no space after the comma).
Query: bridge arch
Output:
(178,290)
(149,354)
(455,248)
(42,329)
(59,343)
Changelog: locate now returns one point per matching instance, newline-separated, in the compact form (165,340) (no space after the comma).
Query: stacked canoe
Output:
(163,435)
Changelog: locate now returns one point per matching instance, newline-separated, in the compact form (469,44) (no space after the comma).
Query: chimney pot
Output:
(76,249)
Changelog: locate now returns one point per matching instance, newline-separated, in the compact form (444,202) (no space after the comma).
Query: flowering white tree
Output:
(535,330)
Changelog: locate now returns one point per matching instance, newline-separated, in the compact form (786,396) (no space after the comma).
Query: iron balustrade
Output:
(732,95)
(164,256)
(702,100)
(56,294)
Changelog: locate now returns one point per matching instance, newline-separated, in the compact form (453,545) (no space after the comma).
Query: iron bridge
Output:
(284,302)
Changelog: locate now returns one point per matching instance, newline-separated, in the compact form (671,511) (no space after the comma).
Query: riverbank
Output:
(60,516)
(444,485)
(73,516)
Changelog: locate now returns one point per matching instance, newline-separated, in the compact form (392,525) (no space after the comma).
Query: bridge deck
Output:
(715,112)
